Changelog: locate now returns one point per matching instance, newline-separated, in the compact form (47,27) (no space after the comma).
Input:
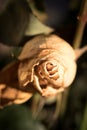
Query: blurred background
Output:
(17,25)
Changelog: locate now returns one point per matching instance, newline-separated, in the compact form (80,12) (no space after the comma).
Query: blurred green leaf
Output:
(36,27)
(18,117)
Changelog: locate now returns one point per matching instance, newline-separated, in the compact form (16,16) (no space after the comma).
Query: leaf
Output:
(36,27)
(19,117)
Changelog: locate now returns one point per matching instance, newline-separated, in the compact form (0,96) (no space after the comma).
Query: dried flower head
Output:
(48,63)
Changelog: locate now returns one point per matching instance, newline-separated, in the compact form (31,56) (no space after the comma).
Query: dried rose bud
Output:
(48,63)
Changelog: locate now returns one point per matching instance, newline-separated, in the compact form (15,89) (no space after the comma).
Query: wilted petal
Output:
(48,63)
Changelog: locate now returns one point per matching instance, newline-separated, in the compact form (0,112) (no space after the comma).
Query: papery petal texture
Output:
(48,62)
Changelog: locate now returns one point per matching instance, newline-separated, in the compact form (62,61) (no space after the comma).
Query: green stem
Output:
(84,122)
(76,44)
(81,25)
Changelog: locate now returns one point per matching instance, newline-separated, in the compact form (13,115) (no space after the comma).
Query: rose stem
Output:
(82,20)
(76,44)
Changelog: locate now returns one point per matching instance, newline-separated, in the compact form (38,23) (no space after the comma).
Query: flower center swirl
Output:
(52,70)
(49,72)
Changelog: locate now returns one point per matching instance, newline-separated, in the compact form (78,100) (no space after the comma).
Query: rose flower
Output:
(48,64)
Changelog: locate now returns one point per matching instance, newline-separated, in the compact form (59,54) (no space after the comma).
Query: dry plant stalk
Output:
(82,21)
(47,64)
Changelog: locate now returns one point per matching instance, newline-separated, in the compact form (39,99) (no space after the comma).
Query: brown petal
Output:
(40,43)
(50,91)
(10,92)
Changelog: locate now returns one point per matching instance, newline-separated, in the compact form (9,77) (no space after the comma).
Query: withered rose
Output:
(48,64)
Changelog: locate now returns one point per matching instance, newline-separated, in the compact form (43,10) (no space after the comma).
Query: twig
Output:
(81,25)
(76,44)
